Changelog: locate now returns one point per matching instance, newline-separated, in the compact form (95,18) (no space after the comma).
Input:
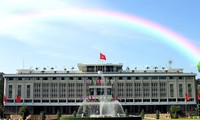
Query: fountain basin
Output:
(100,109)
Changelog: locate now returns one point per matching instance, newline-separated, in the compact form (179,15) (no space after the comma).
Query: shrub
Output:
(24,112)
(58,115)
(174,110)
(74,114)
(157,114)
(142,114)
(42,115)
(126,113)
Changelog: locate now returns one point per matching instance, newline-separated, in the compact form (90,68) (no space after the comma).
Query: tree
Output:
(147,67)
(42,115)
(174,111)
(24,112)
(74,114)
(1,89)
(198,66)
(155,68)
(1,112)
(157,114)
(126,113)
(58,115)
(142,114)
(198,81)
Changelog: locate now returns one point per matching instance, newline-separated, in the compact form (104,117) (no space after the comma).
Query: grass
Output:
(176,119)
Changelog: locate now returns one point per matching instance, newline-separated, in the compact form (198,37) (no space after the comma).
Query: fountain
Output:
(101,108)
(105,107)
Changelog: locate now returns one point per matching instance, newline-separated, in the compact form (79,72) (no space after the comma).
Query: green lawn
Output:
(176,119)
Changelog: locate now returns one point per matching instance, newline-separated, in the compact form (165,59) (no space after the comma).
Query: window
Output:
(171,90)
(10,78)
(26,78)
(100,91)
(162,77)
(92,91)
(180,78)
(154,89)
(145,78)
(109,91)
(109,69)
(90,68)
(10,91)
(190,90)
(154,77)
(19,89)
(163,89)
(37,90)
(180,86)
(28,88)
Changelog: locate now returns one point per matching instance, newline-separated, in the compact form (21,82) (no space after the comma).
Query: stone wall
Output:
(32,117)
(162,116)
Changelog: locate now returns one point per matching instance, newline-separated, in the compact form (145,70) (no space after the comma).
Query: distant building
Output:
(51,90)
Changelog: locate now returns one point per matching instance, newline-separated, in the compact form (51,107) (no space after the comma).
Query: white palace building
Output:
(50,90)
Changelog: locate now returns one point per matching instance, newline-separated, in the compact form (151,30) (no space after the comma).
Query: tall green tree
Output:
(24,112)
(42,115)
(74,114)
(142,114)
(126,113)
(198,66)
(58,115)
(1,89)
(157,114)
(174,111)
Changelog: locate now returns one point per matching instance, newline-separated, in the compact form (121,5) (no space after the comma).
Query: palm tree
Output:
(36,68)
(44,68)
(52,68)
(72,68)
(127,68)
(155,68)
(135,68)
(170,63)
(147,67)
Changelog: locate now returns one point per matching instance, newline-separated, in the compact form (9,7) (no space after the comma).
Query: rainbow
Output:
(161,33)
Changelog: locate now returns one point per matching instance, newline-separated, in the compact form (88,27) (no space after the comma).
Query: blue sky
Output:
(63,41)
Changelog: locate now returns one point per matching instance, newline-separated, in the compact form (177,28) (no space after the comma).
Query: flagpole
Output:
(186,105)
(15,108)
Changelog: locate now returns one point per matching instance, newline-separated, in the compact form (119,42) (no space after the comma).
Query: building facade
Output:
(50,90)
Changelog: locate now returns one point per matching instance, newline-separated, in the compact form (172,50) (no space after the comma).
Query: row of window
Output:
(119,99)
(109,78)
(19,91)
(138,87)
